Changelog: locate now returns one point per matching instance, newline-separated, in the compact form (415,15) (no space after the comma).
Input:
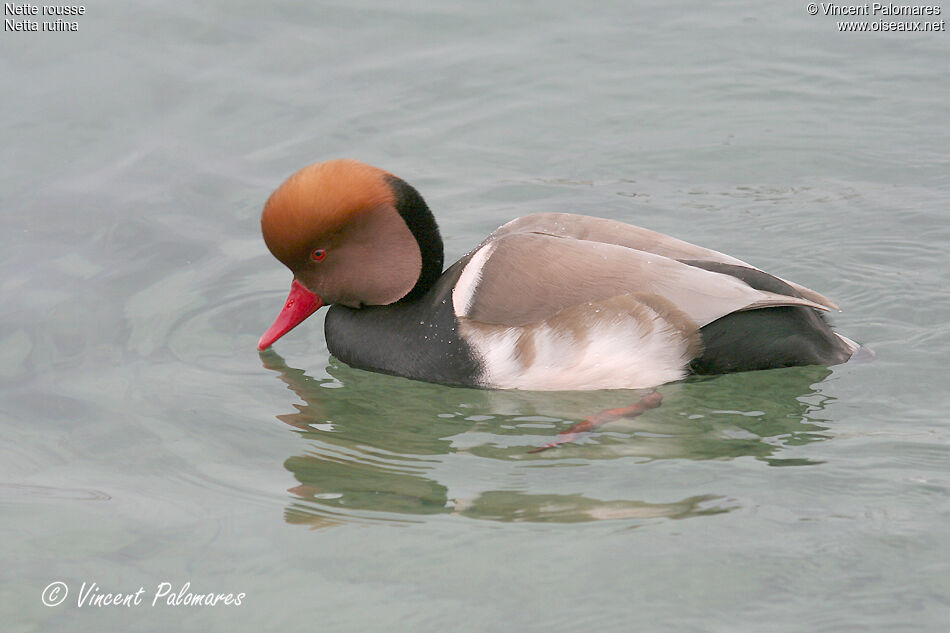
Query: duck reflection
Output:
(386,448)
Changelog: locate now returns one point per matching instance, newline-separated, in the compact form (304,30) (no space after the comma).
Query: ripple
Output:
(207,337)
(12,492)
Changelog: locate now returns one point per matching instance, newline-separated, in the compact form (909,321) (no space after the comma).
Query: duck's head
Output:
(351,234)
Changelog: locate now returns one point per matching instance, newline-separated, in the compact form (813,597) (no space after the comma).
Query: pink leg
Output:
(594,422)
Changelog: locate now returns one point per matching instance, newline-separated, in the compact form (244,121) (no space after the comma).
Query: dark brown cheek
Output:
(326,279)
(306,275)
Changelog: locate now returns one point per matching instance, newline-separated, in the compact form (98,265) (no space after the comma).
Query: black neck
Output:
(412,338)
(415,213)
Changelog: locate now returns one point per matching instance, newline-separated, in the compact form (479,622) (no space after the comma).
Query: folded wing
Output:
(600,230)
(520,277)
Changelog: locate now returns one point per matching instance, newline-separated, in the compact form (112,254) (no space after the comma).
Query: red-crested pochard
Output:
(547,301)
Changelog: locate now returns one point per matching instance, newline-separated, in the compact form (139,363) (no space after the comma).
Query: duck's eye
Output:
(318,255)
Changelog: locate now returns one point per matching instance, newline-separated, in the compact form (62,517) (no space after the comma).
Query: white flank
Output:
(464,291)
(617,354)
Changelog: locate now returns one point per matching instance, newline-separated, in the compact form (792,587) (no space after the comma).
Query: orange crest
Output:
(317,201)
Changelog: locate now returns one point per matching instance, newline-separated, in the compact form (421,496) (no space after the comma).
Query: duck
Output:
(548,301)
